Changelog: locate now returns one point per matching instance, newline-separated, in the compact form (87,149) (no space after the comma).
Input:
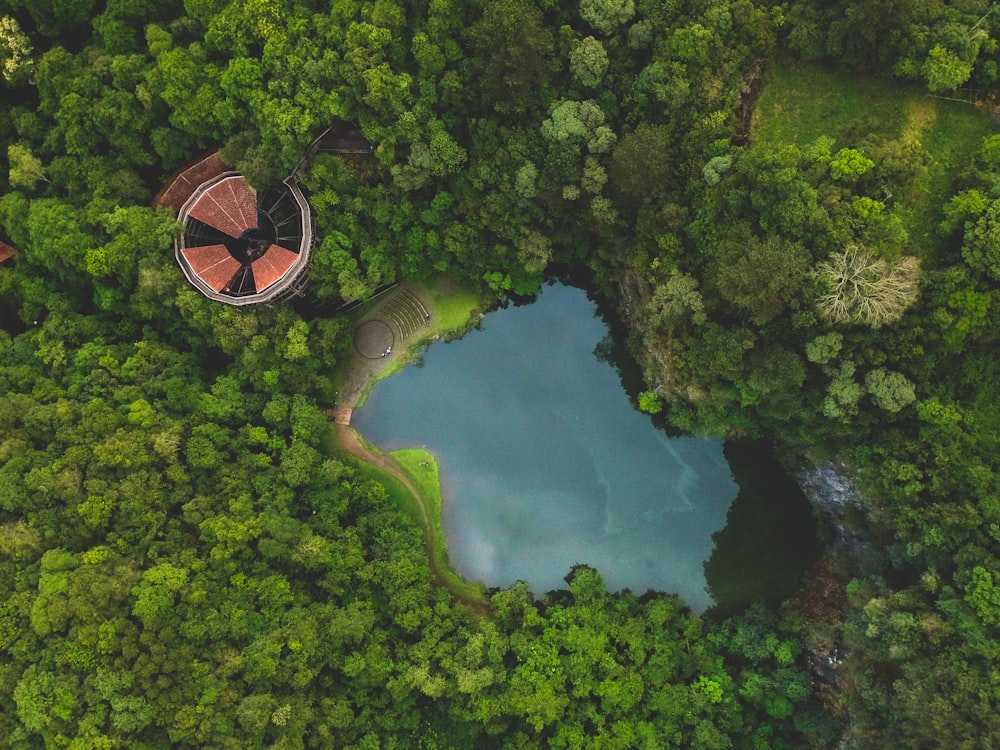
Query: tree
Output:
(511,53)
(594,176)
(135,233)
(843,393)
(761,276)
(678,300)
(607,15)
(945,71)
(56,240)
(824,348)
(573,122)
(446,155)
(981,248)
(715,168)
(650,402)
(849,164)
(525,181)
(534,250)
(25,168)
(53,17)
(858,287)
(15,50)
(965,206)
(588,61)
(155,597)
(642,165)
(890,391)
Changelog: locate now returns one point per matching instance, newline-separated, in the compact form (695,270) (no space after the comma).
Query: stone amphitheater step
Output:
(406,313)
(398,322)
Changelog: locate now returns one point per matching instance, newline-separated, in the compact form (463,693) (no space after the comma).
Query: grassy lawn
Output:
(452,312)
(453,309)
(802,101)
(423,469)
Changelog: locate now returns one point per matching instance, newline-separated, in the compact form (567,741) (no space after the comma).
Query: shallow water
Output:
(545,463)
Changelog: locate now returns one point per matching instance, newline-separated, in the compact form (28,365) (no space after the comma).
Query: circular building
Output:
(241,246)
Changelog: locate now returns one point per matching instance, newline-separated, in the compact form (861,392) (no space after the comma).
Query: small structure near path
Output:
(6,252)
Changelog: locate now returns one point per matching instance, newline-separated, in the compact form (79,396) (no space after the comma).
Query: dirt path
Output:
(360,373)
(352,444)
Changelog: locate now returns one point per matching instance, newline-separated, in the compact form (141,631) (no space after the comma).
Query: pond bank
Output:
(452,310)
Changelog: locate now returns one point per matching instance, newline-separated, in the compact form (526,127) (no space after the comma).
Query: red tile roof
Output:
(229,205)
(6,252)
(212,263)
(272,266)
(183,185)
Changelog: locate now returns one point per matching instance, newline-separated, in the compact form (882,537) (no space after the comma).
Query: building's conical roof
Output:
(241,245)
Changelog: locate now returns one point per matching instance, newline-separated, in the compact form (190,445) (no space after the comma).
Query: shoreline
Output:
(453,312)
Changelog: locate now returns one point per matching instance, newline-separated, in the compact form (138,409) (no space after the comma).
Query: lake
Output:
(545,463)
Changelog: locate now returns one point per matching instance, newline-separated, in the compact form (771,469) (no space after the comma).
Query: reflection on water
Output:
(769,540)
(544,462)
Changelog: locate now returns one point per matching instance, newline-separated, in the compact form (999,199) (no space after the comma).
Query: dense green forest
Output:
(185,559)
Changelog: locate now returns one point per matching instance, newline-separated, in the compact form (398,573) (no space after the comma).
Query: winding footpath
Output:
(352,444)
(360,374)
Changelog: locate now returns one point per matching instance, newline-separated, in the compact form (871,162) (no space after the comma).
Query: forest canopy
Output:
(795,205)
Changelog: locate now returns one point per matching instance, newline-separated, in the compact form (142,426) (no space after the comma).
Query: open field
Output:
(801,102)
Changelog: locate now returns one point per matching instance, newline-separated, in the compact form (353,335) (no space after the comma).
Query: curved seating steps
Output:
(405,313)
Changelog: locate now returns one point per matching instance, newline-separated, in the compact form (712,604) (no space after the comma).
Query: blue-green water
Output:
(545,463)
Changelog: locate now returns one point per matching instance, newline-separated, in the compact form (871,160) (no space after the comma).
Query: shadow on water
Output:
(614,348)
(770,538)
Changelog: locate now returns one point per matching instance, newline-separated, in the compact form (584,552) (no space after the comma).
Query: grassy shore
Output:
(411,476)
(423,468)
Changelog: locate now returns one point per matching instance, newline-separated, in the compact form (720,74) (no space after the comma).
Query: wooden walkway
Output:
(340,414)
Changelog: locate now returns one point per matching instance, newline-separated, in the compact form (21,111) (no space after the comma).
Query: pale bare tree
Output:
(15,50)
(857,286)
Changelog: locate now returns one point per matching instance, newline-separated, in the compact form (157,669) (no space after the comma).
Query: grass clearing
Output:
(453,309)
(423,469)
(802,101)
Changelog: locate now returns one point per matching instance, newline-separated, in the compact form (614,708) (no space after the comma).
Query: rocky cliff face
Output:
(834,493)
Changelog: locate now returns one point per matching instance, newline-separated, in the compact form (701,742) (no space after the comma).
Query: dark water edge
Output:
(770,540)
